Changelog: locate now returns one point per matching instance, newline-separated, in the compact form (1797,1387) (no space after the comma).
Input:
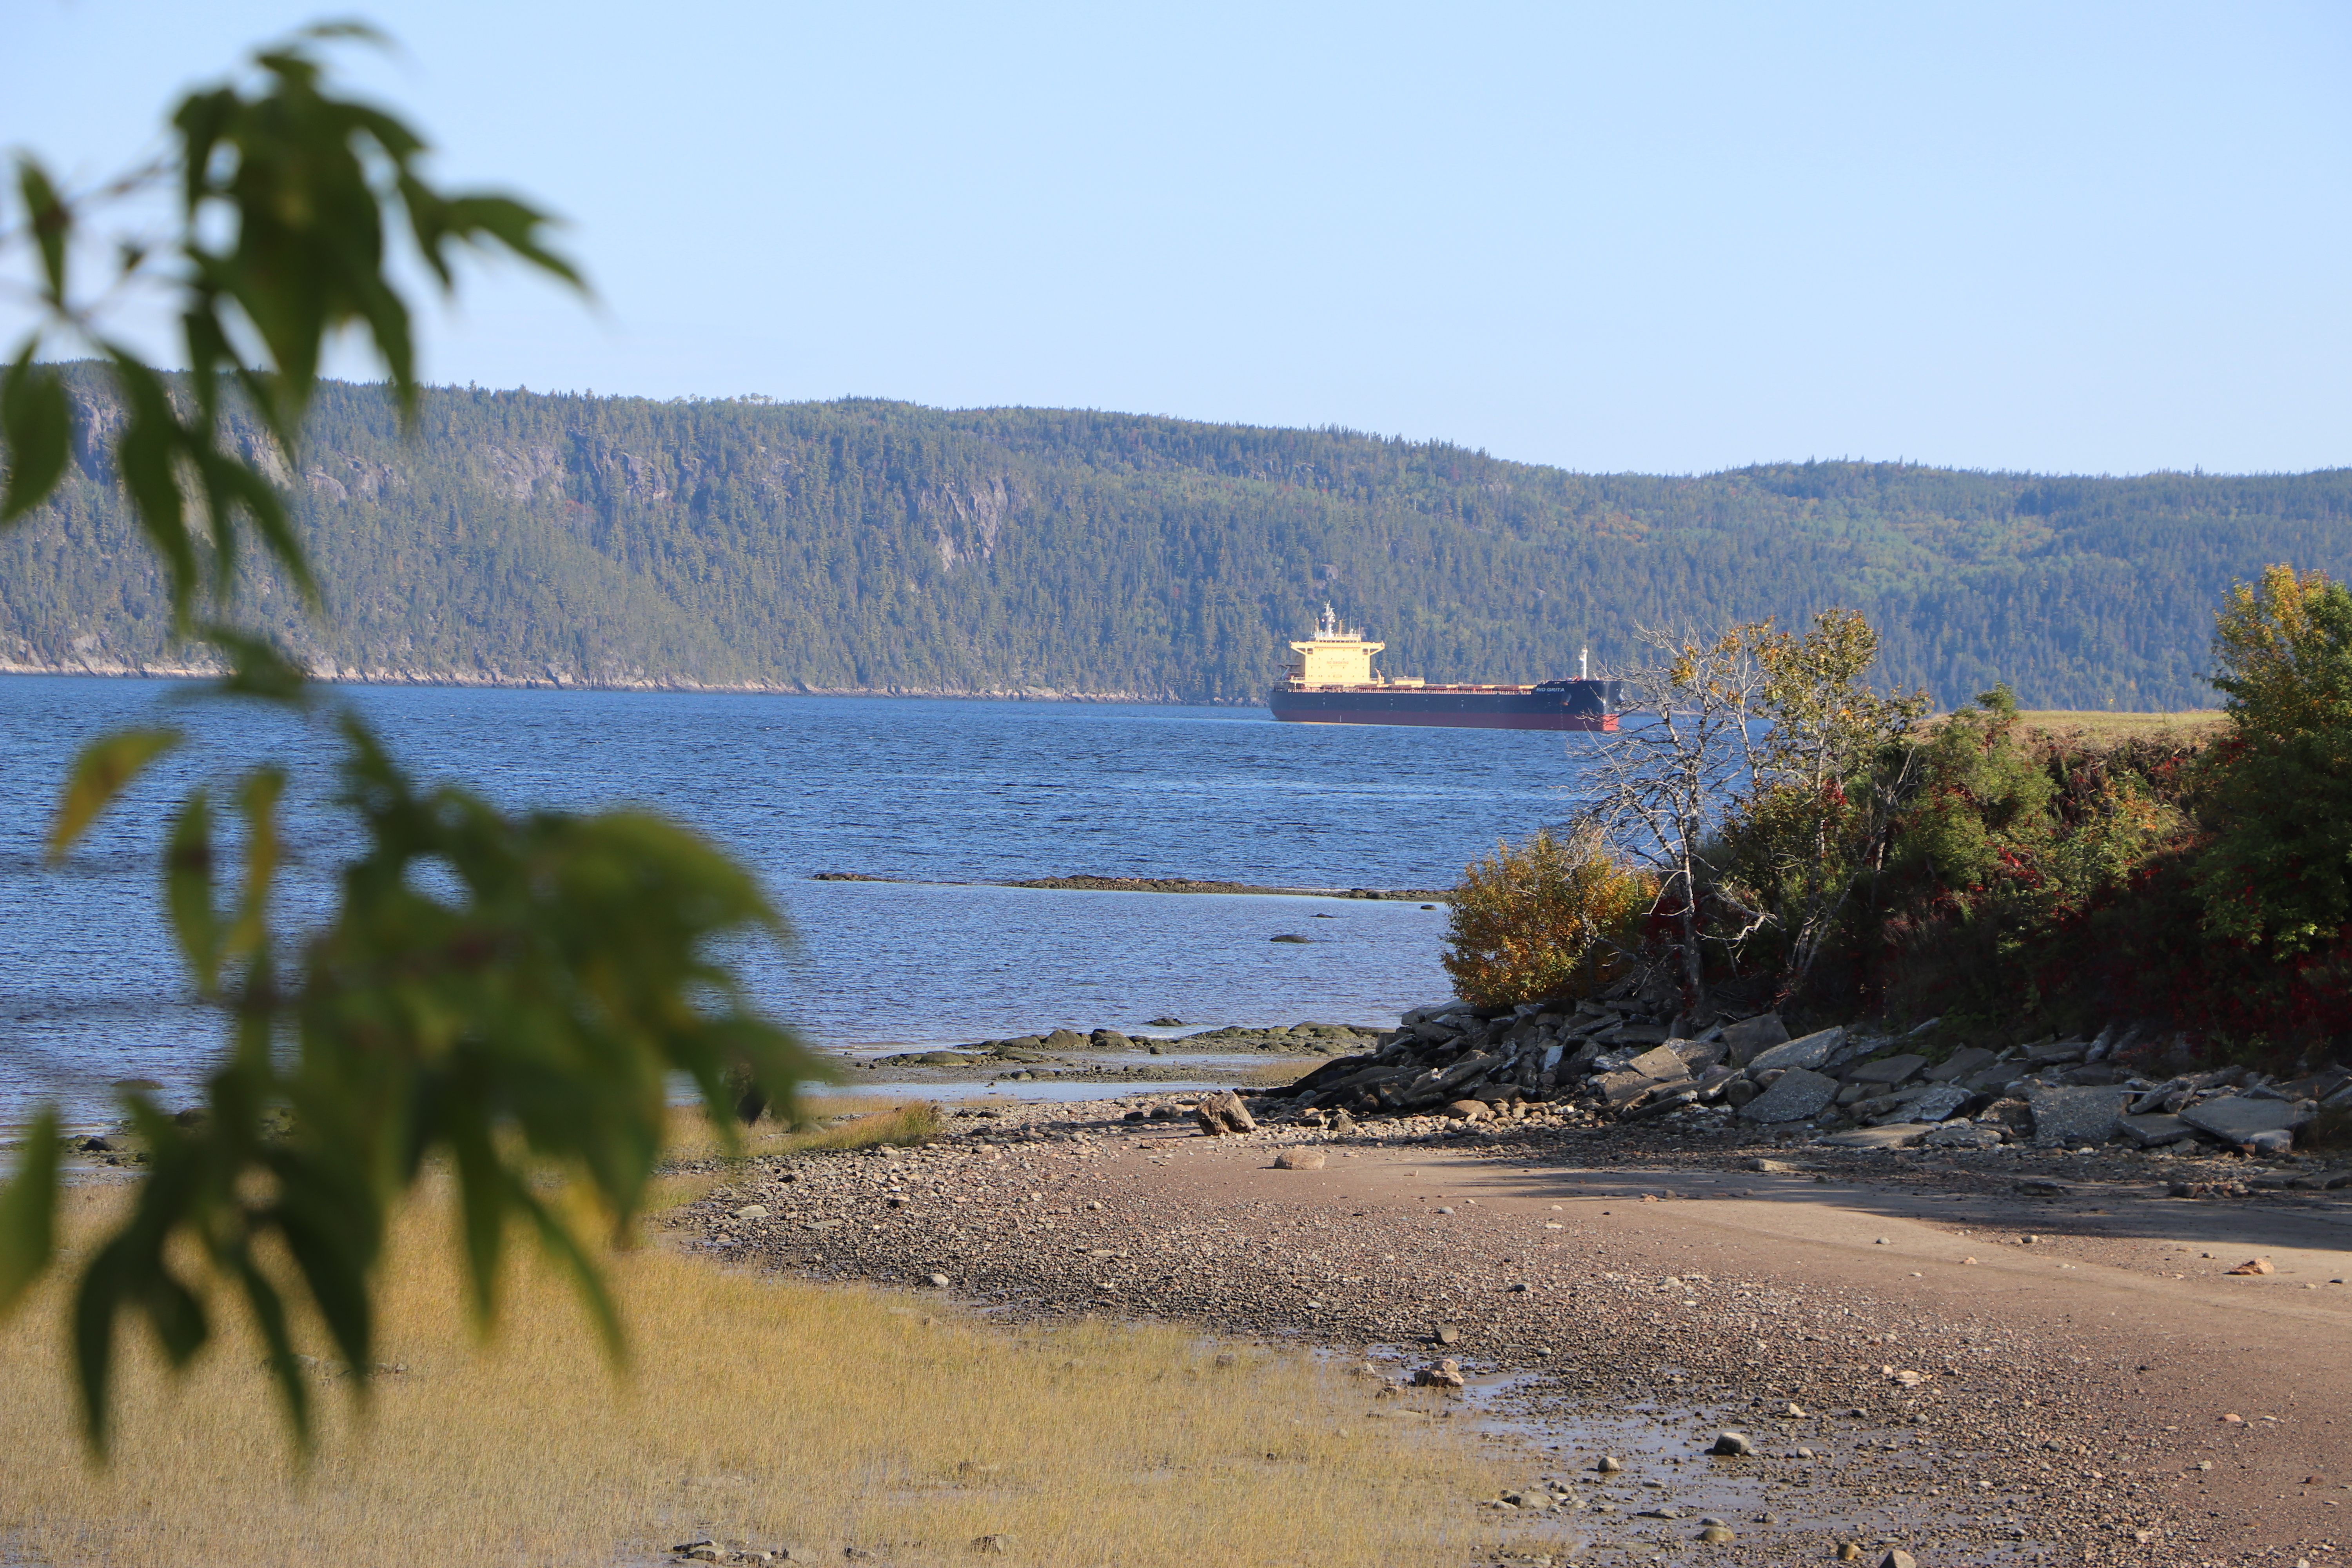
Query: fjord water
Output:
(947,795)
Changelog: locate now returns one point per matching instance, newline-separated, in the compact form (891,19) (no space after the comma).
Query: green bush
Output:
(1547,919)
(2279,872)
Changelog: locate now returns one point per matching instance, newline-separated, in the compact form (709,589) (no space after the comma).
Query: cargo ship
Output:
(1331,681)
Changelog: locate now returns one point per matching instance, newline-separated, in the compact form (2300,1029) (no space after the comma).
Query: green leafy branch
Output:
(499,995)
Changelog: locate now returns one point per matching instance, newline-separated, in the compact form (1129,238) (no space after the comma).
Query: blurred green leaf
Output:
(188,890)
(28,1211)
(50,220)
(37,427)
(249,936)
(103,770)
(146,455)
(256,668)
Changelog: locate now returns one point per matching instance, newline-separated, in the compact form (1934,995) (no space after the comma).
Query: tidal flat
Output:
(1965,1356)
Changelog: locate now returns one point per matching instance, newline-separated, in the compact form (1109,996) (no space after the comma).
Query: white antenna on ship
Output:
(1584,664)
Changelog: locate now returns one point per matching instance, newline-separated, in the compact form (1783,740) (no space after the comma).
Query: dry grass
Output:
(2093,729)
(765,1413)
(828,1121)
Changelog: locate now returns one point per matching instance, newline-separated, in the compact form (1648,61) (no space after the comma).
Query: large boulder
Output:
(1797,1093)
(1223,1112)
(1749,1036)
(1808,1051)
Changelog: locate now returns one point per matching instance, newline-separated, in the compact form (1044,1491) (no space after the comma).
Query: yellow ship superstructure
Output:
(1335,655)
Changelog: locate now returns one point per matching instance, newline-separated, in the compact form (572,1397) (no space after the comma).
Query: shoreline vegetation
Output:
(2094,723)
(1780,836)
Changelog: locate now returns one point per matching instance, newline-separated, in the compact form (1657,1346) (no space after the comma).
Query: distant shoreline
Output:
(113,670)
(1157,885)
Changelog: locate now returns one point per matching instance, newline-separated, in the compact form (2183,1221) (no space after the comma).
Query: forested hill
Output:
(867,545)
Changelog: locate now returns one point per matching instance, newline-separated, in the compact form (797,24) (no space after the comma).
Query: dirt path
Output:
(1966,1393)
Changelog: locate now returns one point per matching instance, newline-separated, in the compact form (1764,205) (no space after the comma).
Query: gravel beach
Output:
(1974,1356)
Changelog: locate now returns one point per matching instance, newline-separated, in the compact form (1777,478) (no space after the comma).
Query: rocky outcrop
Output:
(1607,1060)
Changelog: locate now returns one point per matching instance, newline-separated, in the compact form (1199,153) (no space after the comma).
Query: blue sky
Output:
(1677,237)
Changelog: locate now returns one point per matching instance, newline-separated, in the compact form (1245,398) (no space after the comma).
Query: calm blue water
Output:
(90,989)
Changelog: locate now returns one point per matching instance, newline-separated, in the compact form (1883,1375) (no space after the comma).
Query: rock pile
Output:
(1607,1060)
(1053,1045)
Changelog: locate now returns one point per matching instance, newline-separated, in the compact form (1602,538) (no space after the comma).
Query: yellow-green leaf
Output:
(105,768)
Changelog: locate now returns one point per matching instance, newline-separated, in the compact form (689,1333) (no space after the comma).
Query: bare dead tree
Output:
(1660,785)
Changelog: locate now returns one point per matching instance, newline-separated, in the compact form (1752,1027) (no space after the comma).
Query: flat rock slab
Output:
(2155,1131)
(1796,1094)
(1624,1087)
(1897,1135)
(1749,1036)
(1960,1064)
(1937,1103)
(1962,1135)
(1661,1063)
(1809,1051)
(1697,1056)
(2235,1118)
(2076,1115)
(1886,1069)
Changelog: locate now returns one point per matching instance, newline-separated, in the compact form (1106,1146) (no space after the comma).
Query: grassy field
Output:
(765,1413)
(2101,729)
